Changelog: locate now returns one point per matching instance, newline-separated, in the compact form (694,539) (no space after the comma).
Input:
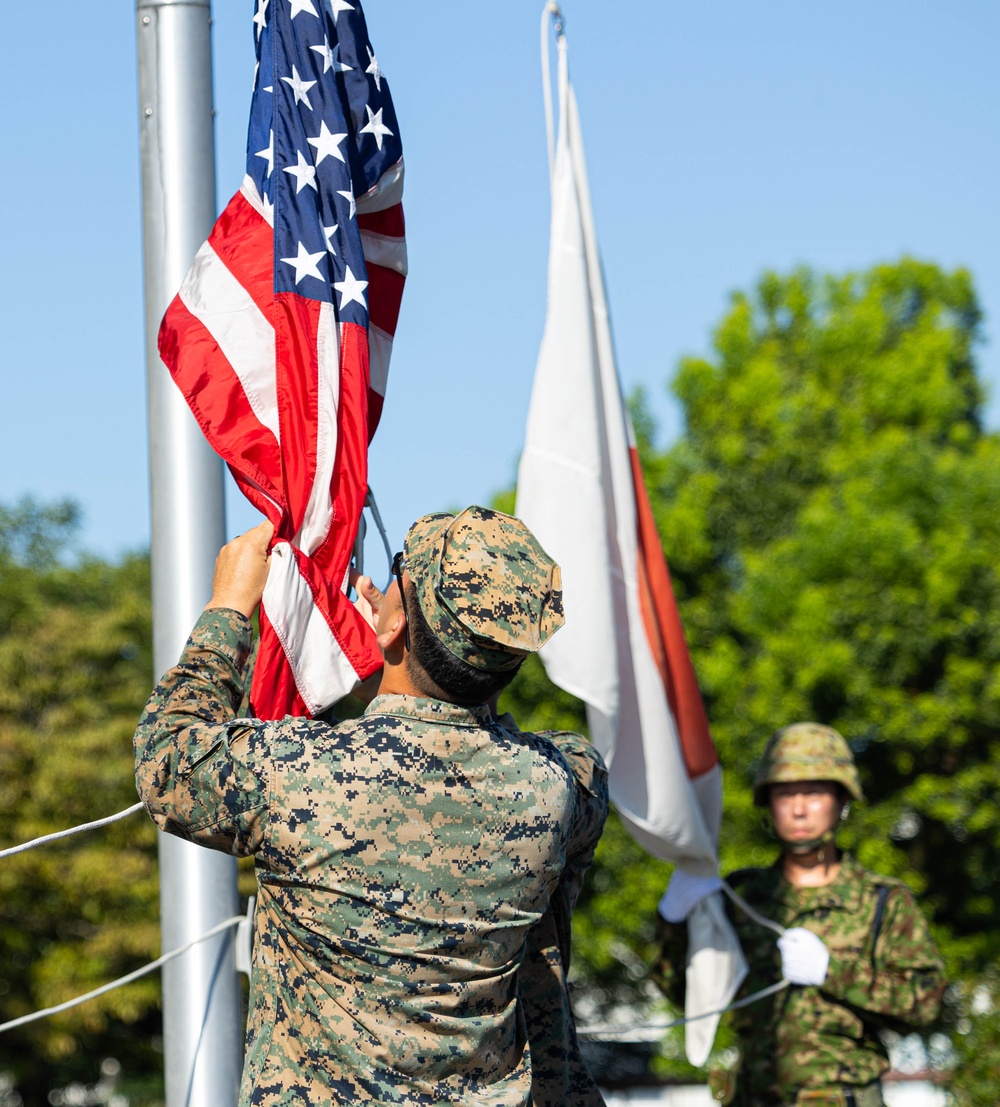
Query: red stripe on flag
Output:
(666,637)
(273,678)
(350,471)
(244,240)
(385,293)
(352,633)
(216,398)
(389,222)
(296,323)
(375,404)
(323,571)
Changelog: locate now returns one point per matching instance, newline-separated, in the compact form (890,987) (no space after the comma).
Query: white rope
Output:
(9,852)
(121,981)
(755,916)
(593,1031)
(551,8)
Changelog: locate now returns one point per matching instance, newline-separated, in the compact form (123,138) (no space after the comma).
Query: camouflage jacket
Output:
(559,1075)
(402,860)
(820,1038)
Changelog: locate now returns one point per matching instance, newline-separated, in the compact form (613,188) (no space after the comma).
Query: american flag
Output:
(280,335)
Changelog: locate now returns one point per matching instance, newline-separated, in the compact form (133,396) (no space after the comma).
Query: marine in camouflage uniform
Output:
(405,859)
(819,1045)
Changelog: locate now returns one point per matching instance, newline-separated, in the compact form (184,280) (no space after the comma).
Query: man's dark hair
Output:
(438,673)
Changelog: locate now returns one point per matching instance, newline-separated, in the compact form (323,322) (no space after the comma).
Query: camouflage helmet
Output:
(487,589)
(806,751)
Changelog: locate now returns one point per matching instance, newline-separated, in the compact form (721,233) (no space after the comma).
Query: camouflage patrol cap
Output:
(806,751)
(487,589)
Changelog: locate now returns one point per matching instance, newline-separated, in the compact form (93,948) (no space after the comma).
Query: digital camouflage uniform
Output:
(559,1075)
(820,1045)
(403,858)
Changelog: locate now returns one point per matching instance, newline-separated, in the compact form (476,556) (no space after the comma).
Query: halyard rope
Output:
(603,1031)
(11,850)
(583,1032)
(127,979)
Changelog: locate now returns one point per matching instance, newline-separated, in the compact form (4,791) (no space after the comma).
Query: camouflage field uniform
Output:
(804,1045)
(403,859)
(559,1075)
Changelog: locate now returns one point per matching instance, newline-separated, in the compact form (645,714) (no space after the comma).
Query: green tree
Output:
(75,669)
(831,516)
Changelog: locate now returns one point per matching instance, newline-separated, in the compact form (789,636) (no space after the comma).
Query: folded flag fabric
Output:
(622,650)
(280,335)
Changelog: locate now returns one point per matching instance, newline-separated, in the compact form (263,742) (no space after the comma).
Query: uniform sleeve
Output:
(559,1074)
(902,978)
(201,773)
(591,778)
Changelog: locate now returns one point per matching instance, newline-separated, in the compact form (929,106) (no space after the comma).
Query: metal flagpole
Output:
(201,991)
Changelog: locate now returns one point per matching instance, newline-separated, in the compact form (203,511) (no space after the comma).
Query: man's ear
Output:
(393,635)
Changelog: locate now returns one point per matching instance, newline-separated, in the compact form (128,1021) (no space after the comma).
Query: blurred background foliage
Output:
(831,517)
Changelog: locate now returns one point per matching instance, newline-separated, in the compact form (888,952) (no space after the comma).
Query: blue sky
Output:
(722,139)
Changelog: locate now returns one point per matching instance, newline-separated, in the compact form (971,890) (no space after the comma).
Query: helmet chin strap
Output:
(811,845)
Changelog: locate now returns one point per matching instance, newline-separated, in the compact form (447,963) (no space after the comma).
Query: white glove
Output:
(684,892)
(804,957)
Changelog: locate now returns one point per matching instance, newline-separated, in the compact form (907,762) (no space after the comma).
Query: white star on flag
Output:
(260,16)
(338,6)
(349,196)
(375,126)
(330,232)
(331,57)
(375,70)
(302,6)
(351,290)
(304,264)
(327,144)
(268,154)
(303,172)
(300,88)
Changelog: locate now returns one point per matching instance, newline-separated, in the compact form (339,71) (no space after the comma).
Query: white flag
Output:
(622,649)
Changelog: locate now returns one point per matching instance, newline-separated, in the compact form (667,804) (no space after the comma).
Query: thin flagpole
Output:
(201,990)
(551,9)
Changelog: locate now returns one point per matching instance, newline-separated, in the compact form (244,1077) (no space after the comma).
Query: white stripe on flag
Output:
(249,190)
(388,191)
(383,249)
(316,520)
(226,310)
(379,349)
(322,672)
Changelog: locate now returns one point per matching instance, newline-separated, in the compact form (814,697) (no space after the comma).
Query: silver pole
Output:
(201,991)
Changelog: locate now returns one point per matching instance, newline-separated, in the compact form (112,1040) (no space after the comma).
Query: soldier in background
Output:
(856,948)
(403,858)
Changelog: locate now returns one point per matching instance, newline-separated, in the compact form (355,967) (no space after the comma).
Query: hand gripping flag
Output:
(622,650)
(280,335)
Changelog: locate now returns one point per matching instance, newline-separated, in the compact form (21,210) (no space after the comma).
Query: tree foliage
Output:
(831,519)
(75,669)
(831,516)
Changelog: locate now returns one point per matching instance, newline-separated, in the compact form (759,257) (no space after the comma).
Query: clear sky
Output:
(723,138)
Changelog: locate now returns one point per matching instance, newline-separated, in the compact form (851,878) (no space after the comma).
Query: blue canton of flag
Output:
(323,132)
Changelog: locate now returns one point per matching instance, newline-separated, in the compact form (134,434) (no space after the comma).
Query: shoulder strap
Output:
(883,895)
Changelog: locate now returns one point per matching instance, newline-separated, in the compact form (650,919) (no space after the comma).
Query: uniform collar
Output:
(438,712)
(841,893)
